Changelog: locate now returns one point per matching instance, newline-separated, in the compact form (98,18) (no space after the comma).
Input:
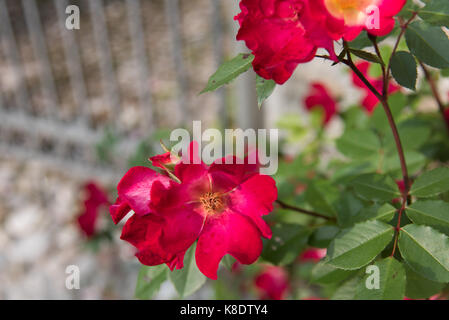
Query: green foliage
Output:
(418,287)
(368,56)
(321,196)
(188,279)
(428,43)
(324,273)
(436,12)
(376,187)
(149,281)
(357,246)
(228,71)
(322,236)
(358,144)
(264,89)
(431,183)
(404,69)
(392,282)
(433,213)
(285,244)
(426,251)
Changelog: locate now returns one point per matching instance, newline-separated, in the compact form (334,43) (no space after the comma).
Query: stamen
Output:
(212,202)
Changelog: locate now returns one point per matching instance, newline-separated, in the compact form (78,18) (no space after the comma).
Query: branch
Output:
(304,211)
(384,101)
(436,95)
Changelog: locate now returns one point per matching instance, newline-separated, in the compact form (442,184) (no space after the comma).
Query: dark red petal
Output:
(119,210)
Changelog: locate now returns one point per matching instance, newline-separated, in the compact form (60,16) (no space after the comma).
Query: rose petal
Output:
(227,233)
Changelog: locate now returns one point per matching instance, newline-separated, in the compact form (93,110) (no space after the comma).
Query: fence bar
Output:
(13,56)
(173,18)
(109,81)
(73,61)
(140,57)
(2,103)
(41,53)
(217,36)
(247,112)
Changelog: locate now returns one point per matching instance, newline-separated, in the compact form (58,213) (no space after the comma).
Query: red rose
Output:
(356,15)
(272,283)
(220,205)
(96,198)
(164,160)
(284,33)
(370,100)
(312,255)
(320,97)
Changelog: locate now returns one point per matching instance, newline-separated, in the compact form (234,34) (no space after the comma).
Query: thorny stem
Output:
(304,211)
(435,93)
(398,226)
(383,98)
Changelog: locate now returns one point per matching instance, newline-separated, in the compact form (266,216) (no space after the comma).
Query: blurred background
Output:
(83,105)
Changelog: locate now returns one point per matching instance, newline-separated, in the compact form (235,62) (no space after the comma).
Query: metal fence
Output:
(39,121)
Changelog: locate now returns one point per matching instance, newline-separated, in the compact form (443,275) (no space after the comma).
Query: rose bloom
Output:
(370,100)
(96,198)
(272,283)
(220,205)
(357,15)
(284,33)
(312,255)
(319,97)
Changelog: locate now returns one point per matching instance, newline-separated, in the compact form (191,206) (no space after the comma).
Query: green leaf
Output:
(368,56)
(228,261)
(415,162)
(413,136)
(418,287)
(323,236)
(264,89)
(431,213)
(358,144)
(376,187)
(357,246)
(348,206)
(149,281)
(228,71)
(188,279)
(404,69)
(347,290)
(383,213)
(426,251)
(429,44)
(436,12)
(379,120)
(287,242)
(321,197)
(431,183)
(324,273)
(392,282)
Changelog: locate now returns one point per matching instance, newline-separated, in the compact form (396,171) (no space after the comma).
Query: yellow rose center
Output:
(352,11)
